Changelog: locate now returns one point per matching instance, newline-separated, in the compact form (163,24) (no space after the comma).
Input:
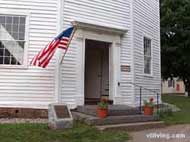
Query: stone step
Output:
(94,101)
(133,126)
(113,110)
(92,120)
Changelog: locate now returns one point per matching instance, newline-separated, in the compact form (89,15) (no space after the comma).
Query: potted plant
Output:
(102,109)
(149,106)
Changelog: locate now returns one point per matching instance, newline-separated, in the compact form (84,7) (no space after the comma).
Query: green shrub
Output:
(163,112)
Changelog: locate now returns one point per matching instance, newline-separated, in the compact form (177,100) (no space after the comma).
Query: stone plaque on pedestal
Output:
(59,116)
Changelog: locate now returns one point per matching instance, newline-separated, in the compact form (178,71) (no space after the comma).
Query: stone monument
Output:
(59,116)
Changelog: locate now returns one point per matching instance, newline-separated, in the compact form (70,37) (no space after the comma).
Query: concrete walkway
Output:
(175,133)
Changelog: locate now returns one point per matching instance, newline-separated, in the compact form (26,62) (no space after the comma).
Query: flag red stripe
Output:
(46,62)
(64,39)
(63,43)
(52,48)
(47,49)
(34,60)
(65,48)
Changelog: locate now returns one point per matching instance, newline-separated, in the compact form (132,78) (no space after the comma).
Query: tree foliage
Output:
(175,39)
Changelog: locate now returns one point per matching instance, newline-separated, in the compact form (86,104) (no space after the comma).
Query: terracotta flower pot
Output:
(102,113)
(148,110)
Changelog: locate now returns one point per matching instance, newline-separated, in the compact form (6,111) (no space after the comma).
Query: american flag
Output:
(62,41)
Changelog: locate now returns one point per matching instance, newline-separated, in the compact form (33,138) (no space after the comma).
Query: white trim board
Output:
(99,26)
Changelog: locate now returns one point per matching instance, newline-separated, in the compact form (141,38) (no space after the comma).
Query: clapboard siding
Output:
(146,23)
(113,13)
(32,86)
(36,87)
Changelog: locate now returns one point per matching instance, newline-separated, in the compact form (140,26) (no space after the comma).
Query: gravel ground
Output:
(175,133)
(20,120)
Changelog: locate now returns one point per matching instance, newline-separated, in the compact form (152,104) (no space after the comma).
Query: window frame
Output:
(151,56)
(26,14)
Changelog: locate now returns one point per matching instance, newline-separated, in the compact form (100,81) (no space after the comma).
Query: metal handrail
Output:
(141,87)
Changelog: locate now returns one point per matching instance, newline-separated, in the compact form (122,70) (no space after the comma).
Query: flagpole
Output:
(74,29)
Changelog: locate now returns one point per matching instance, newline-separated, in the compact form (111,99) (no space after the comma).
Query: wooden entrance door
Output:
(93,73)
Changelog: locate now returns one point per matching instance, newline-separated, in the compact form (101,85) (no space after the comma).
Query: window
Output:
(171,83)
(147,55)
(12,39)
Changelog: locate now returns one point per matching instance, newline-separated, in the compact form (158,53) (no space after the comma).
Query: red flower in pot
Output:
(102,109)
(149,106)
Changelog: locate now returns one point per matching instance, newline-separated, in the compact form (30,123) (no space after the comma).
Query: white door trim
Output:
(114,57)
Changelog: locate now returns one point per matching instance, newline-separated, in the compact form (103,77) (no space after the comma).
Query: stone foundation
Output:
(23,113)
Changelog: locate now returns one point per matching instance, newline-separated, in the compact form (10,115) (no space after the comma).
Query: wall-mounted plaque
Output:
(125,68)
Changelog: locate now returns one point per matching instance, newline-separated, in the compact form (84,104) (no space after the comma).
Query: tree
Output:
(175,40)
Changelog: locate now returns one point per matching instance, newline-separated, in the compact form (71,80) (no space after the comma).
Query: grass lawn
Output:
(178,117)
(41,133)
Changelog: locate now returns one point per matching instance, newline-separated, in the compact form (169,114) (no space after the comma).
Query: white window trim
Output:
(151,48)
(25,60)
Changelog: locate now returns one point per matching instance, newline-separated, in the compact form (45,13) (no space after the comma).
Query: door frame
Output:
(114,60)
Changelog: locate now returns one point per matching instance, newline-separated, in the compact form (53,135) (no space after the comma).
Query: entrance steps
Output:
(110,120)
(120,117)
(113,110)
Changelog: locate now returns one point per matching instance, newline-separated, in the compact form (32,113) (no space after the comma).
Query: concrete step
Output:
(113,110)
(133,126)
(94,101)
(92,120)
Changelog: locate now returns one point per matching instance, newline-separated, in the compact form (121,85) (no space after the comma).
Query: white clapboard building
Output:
(115,50)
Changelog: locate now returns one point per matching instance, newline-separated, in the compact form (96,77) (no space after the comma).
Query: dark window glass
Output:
(147,55)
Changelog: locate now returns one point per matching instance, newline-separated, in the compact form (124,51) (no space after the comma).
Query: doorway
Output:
(96,71)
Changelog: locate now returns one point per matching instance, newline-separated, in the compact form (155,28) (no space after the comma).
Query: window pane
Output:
(2,19)
(145,50)
(9,20)
(147,46)
(6,60)
(3,25)
(1,45)
(8,27)
(15,28)
(21,36)
(21,43)
(22,28)
(22,20)
(15,36)
(15,20)
(1,52)
(7,53)
(147,66)
(1,60)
